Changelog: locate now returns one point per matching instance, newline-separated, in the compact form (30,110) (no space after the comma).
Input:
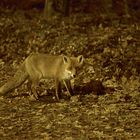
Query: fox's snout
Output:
(74,75)
(70,74)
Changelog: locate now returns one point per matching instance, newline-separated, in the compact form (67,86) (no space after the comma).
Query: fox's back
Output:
(47,65)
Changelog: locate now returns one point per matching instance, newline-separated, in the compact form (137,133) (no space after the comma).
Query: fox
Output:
(38,66)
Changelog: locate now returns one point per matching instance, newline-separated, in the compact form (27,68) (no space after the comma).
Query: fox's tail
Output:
(20,76)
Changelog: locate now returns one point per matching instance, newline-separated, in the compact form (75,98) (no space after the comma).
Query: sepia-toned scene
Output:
(69,69)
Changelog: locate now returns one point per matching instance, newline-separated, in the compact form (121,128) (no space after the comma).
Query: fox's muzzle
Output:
(69,74)
(74,75)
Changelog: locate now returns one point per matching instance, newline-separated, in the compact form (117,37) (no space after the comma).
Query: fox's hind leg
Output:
(29,84)
(34,77)
(34,87)
(34,84)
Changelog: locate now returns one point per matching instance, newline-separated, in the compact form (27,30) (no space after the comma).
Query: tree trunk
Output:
(66,6)
(48,10)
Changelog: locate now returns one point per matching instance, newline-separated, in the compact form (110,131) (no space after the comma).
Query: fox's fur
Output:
(41,66)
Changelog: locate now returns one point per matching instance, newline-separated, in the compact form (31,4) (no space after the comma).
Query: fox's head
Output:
(70,66)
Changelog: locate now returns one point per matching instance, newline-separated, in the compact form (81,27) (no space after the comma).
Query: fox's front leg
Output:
(58,89)
(67,84)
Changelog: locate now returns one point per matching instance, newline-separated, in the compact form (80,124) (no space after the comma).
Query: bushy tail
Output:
(20,76)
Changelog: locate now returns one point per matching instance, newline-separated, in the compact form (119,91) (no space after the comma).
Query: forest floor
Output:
(106,104)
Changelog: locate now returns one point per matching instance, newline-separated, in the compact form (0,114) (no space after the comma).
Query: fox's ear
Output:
(65,59)
(80,59)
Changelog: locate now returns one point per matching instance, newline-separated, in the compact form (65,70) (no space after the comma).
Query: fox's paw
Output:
(33,98)
(1,97)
